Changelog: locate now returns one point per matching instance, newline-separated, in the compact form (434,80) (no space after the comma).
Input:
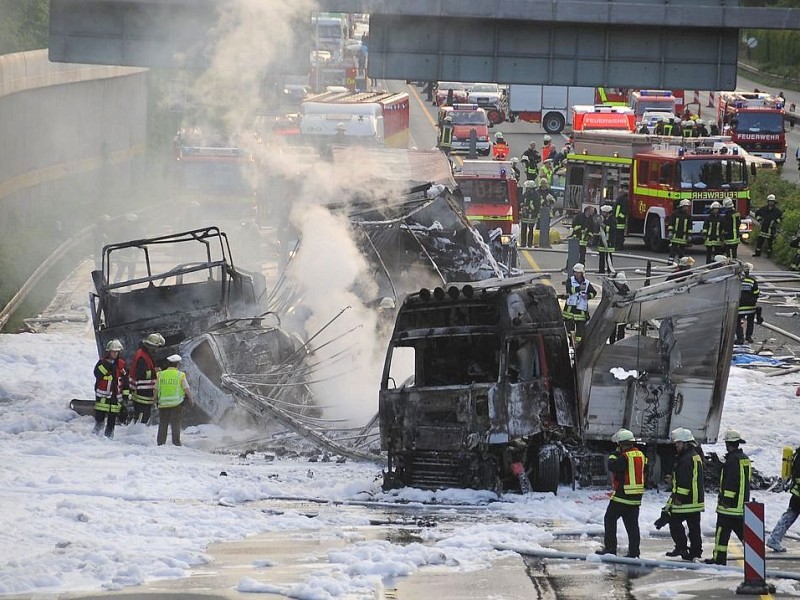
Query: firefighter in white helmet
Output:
(547,147)
(769,220)
(626,464)
(679,228)
(576,308)
(712,232)
(687,501)
(731,220)
(110,388)
(143,377)
(172,390)
(748,298)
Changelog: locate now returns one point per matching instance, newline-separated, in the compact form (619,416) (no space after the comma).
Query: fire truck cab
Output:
(467,117)
(653,100)
(654,174)
(489,190)
(755,121)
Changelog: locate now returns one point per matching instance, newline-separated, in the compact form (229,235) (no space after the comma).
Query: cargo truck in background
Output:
(550,105)
(379,118)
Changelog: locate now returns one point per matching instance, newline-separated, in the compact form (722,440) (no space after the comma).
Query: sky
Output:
(81,513)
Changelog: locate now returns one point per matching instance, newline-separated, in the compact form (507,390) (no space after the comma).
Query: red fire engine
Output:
(655,101)
(466,118)
(490,201)
(600,116)
(755,121)
(654,174)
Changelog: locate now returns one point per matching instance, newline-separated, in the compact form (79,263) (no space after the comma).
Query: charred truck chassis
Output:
(491,394)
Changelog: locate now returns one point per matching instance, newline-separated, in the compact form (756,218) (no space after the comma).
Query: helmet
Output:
(547,138)
(720,258)
(525,159)
(620,277)
(715,204)
(532,144)
(498,135)
(771,198)
(727,203)
(605,208)
(514,160)
(685,202)
(681,434)
(543,181)
(387,304)
(733,436)
(174,358)
(623,435)
(114,346)
(686,261)
(528,185)
(747,267)
(448,119)
(156,340)
(579,268)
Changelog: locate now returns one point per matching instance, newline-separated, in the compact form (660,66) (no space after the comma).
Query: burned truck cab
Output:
(477,388)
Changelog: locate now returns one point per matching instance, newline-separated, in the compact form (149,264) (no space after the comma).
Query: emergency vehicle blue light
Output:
(503,173)
(661,93)
(681,151)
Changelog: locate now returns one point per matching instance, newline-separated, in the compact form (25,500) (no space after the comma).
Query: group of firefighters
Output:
(686,503)
(130,395)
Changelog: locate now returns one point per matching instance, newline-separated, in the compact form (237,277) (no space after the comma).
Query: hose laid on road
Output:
(641,562)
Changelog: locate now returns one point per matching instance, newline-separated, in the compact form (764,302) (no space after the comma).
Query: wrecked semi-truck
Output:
(479,388)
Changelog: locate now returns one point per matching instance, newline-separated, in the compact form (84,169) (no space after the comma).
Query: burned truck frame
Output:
(490,395)
(489,390)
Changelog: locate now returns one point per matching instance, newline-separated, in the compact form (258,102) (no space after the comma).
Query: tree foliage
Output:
(24,25)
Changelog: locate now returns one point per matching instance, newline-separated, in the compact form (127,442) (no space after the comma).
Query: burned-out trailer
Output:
(477,388)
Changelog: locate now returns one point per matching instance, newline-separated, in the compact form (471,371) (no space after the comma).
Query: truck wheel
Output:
(495,117)
(553,122)
(548,469)
(652,235)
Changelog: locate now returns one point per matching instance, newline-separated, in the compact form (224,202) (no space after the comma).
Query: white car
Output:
(651,118)
(492,98)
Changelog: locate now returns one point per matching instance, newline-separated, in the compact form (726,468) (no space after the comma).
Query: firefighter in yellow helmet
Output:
(110,388)
(172,390)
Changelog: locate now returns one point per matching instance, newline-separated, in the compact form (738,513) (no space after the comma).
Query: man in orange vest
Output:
(626,464)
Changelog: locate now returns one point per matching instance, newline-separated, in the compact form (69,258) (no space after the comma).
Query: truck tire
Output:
(553,122)
(495,117)
(652,235)
(547,469)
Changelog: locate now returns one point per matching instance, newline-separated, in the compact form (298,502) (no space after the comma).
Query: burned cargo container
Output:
(478,388)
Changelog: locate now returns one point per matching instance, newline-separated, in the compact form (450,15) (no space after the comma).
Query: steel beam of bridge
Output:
(689,44)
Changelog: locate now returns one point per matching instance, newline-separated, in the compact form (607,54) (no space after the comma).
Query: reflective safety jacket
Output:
(627,476)
(679,228)
(111,384)
(730,227)
(748,296)
(688,495)
(446,137)
(170,387)
(620,213)
(578,296)
(712,230)
(796,473)
(734,484)
(609,228)
(529,207)
(143,377)
(768,221)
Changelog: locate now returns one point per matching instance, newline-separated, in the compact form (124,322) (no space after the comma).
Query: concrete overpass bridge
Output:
(632,43)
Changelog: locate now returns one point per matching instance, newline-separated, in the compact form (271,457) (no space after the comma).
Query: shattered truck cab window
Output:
(458,360)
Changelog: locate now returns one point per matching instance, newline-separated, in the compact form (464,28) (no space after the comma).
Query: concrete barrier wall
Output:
(73,145)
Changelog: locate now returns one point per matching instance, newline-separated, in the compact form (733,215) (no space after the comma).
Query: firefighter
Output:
(584,229)
(546,204)
(620,283)
(687,501)
(547,147)
(626,464)
(734,491)
(171,391)
(533,157)
(500,147)
(546,171)
(684,264)
(731,219)
(621,217)
(445,143)
(793,511)
(576,308)
(795,243)
(110,389)
(528,213)
(747,305)
(515,168)
(678,230)
(143,377)
(712,232)
(702,129)
(606,246)
(769,219)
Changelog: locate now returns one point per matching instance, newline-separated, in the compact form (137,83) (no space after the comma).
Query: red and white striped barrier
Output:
(711,102)
(754,563)
(697,97)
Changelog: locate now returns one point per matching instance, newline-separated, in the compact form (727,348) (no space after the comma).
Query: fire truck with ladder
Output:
(489,190)
(755,121)
(655,173)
